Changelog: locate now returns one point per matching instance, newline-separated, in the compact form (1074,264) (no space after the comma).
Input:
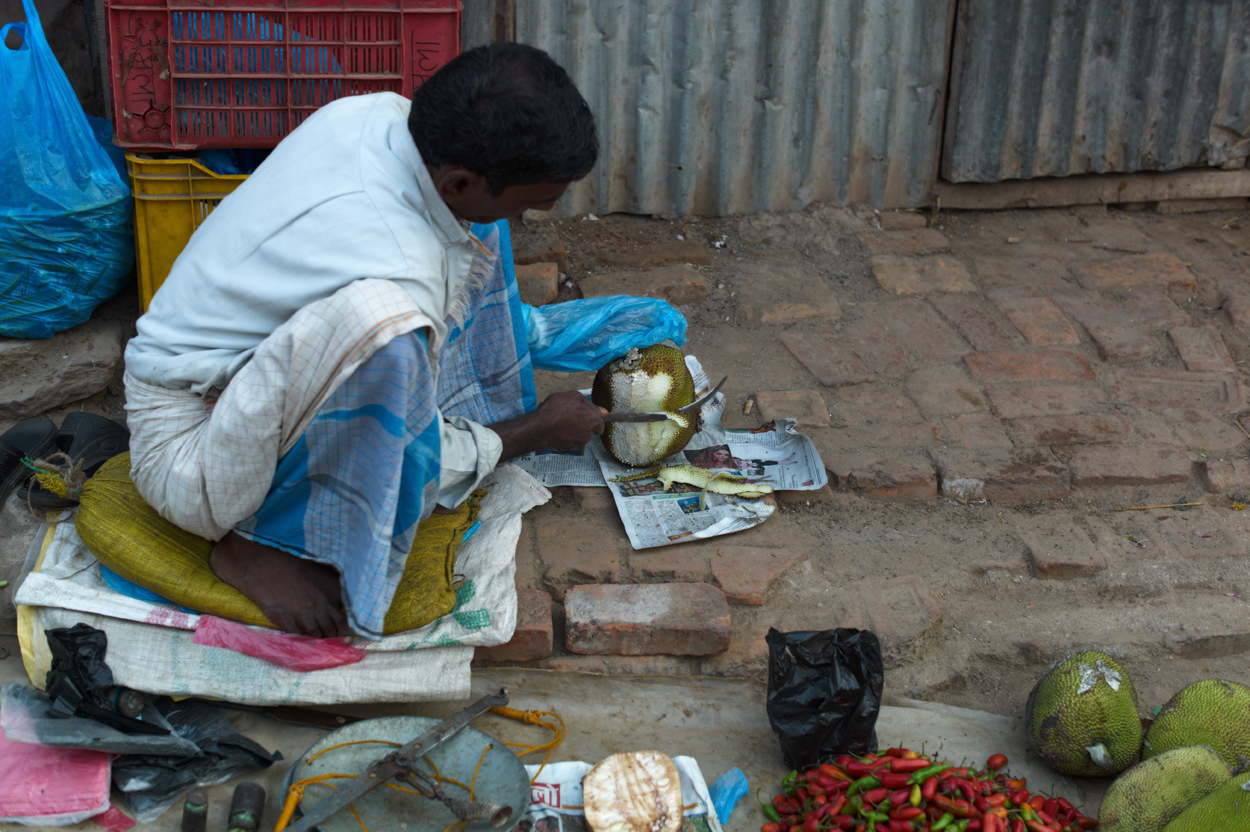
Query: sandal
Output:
(84,437)
(29,438)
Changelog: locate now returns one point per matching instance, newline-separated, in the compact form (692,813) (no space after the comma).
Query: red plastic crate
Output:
(192,74)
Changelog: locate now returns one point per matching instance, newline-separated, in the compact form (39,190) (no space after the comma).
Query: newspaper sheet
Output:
(556,798)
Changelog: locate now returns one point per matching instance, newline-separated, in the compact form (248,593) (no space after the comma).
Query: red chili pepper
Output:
(898,798)
(909,765)
(1036,802)
(839,786)
(811,776)
(973,825)
(1017,825)
(997,799)
(1051,806)
(989,823)
(826,782)
(952,806)
(773,827)
(857,769)
(841,760)
(819,800)
(1044,816)
(970,791)
(875,796)
(844,821)
(981,803)
(812,824)
(830,770)
(1034,826)
(1086,823)
(996,761)
(879,762)
(894,780)
(906,813)
(901,826)
(896,752)
(1019,797)
(929,788)
(835,806)
(1064,804)
(802,794)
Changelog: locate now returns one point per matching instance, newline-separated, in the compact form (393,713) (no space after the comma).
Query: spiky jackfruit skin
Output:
(1153,793)
(1227,809)
(643,381)
(1211,712)
(1082,716)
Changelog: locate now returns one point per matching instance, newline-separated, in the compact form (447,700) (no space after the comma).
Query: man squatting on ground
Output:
(332,357)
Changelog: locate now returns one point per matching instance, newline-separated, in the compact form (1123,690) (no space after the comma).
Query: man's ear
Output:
(455,181)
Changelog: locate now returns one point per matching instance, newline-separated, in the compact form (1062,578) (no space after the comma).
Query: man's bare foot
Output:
(297,595)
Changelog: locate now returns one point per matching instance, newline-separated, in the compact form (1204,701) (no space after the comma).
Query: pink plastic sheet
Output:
(299,653)
(51,785)
(114,820)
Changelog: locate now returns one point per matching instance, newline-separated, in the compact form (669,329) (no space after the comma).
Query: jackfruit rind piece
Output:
(633,792)
(1227,809)
(646,380)
(1153,793)
(1082,716)
(1212,712)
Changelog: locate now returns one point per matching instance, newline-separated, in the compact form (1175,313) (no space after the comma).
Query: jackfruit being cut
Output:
(1153,793)
(1082,716)
(648,380)
(1211,712)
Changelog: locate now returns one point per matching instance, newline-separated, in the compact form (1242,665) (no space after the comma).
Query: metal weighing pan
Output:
(501,778)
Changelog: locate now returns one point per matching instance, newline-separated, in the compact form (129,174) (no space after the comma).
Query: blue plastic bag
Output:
(586,334)
(66,238)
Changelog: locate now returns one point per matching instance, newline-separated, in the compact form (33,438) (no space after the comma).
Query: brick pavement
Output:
(1041,378)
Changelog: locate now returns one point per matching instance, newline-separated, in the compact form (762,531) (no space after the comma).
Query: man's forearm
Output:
(563,420)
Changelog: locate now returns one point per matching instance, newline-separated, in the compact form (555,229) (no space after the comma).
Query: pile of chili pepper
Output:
(902,791)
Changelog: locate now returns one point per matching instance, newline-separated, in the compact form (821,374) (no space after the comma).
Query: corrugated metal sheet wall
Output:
(718,107)
(1059,87)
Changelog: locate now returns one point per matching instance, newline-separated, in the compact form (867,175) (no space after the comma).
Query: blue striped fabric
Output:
(353,488)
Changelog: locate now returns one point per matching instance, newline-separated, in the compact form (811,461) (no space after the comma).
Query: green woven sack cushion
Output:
(129,537)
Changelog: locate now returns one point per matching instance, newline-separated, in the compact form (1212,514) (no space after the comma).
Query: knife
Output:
(693,407)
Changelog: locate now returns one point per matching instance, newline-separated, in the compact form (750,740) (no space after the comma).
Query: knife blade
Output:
(661,416)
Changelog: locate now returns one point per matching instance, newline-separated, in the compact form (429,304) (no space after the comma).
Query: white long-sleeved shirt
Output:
(345,196)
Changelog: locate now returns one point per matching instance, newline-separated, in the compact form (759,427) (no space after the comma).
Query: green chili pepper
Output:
(963,824)
(867,782)
(789,782)
(942,822)
(925,773)
(770,811)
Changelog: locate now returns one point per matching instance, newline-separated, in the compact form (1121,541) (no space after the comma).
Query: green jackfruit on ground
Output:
(1211,712)
(1153,793)
(1227,809)
(1082,716)
(643,381)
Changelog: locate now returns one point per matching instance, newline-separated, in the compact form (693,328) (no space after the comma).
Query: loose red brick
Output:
(921,275)
(806,406)
(922,333)
(747,656)
(1080,429)
(540,246)
(1115,334)
(975,430)
(1038,320)
(1235,301)
(1209,645)
(646,619)
(1151,428)
(888,475)
(1047,365)
(1204,430)
(827,357)
(945,390)
(780,287)
(532,638)
(574,550)
(1001,476)
(1045,400)
(538,283)
(974,322)
(680,284)
(1059,549)
(874,344)
(873,403)
(906,241)
(1152,309)
(1202,349)
(899,610)
(1128,465)
(670,564)
(1158,269)
(746,572)
(653,254)
(1218,391)
(1220,476)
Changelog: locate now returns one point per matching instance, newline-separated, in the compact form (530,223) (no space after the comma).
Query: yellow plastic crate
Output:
(172,198)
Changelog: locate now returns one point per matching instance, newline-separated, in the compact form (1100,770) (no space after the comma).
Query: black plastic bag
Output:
(824,693)
(80,683)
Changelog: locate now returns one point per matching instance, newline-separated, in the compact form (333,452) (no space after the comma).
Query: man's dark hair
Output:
(508,113)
